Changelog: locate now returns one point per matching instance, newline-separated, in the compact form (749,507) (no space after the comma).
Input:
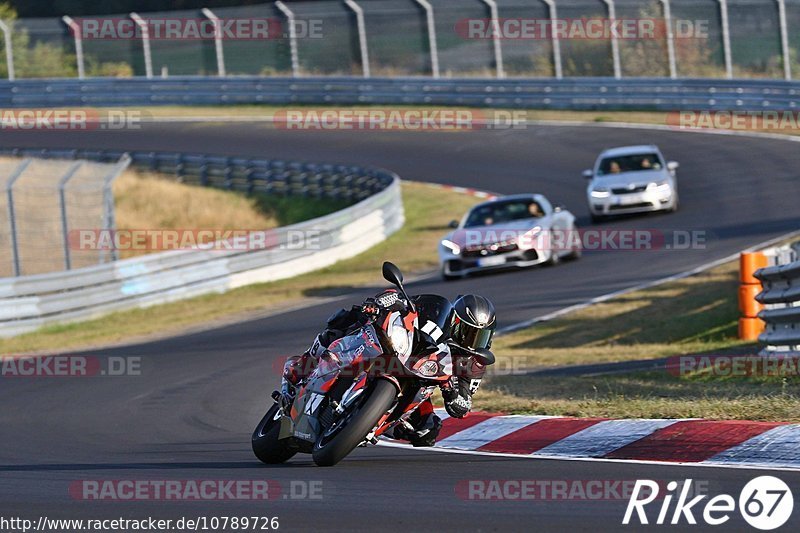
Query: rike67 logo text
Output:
(765,503)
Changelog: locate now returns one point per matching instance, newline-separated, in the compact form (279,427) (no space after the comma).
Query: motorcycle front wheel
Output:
(349,431)
(266,445)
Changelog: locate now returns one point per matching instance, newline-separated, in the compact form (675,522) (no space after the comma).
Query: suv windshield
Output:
(499,212)
(629,163)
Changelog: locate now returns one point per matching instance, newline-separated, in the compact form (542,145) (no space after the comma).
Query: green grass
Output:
(413,248)
(696,315)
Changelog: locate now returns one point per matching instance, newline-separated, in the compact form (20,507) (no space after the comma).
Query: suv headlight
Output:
(660,187)
(400,338)
(601,192)
(450,245)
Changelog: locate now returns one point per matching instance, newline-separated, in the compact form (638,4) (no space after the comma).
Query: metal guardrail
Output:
(781,295)
(30,302)
(568,93)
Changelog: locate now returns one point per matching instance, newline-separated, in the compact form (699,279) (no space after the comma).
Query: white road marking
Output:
(394,444)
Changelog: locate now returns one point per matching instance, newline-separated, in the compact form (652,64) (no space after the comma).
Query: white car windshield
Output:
(629,163)
(500,212)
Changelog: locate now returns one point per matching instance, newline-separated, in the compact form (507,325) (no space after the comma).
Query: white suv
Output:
(631,179)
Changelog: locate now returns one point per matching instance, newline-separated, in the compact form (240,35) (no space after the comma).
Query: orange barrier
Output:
(748,264)
(750,326)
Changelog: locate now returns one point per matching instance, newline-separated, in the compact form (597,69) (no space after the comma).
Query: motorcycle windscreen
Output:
(362,345)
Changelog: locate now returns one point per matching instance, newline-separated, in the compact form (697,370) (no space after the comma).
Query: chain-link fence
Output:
(43,201)
(449,38)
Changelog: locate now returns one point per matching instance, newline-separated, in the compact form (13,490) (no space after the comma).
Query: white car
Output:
(631,179)
(511,231)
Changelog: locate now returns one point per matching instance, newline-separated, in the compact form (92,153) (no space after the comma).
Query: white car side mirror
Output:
(672,166)
(588,174)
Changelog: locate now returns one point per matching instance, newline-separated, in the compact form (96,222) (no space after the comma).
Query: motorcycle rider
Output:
(471,325)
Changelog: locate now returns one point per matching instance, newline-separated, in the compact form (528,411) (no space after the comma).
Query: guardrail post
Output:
(673,64)
(785,53)
(498,49)
(289,14)
(12,221)
(217,40)
(432,45)
(612,17)
(726,38)
(9,50)
(554,40)
(62,185)
(76,33)
(362,36)
(148,58)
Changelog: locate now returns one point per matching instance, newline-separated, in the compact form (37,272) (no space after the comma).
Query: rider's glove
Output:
(457,403)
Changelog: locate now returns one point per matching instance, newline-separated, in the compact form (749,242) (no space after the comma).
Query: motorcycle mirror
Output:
(392,274)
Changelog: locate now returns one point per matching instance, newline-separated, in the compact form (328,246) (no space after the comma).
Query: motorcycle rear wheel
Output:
(266,445)
(330,449)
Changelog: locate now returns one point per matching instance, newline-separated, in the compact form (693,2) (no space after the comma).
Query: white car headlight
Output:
(661,187)
(400,338)
(450,245)
(600,192)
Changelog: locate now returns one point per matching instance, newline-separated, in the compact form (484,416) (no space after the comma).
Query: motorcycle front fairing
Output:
(340,376)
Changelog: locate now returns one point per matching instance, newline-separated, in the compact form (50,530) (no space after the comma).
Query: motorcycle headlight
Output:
(450,245)
(600,192)
(400,338)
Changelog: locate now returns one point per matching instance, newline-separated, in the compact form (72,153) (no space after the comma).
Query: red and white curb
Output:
(773,445)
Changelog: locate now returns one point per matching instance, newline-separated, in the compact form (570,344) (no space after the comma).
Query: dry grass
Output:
(146,201)
(690,316)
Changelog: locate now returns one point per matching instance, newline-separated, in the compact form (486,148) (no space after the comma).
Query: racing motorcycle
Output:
(367,382)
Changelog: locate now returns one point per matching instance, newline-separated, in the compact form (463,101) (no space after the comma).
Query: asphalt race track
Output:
(190,414)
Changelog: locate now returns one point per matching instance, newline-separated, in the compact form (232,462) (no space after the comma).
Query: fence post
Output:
(108,197)
(726,38)
(612,17)
(217,40)
(76,32)
(11,216)
(9,49)
(434,49)
(554,40)
(62,185)
(292,37)
(498,50)
(673,64)
(148,58)
(787,57)
(362,36)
